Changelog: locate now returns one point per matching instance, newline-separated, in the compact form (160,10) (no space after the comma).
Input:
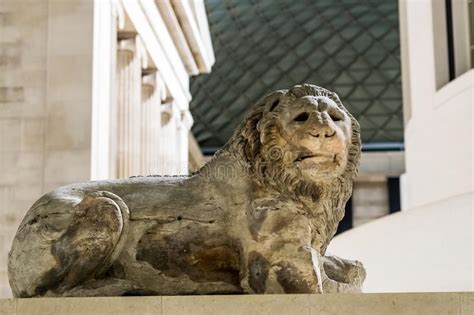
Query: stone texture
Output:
(274,304)
(7,306)
(467,303)
(10,135)
(11,94)
(327,304)
(83,306)
(64,83)
(387,304)
(257,218)
(32,131)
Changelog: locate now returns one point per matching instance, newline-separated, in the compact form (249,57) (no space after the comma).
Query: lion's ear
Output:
(271,101)
(274,105)
(248,134)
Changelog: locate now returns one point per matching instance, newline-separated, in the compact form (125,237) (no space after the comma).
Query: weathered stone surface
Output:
(256,219)
(275,304)
(7,306)
(387,304)
(88,306)
(467,303)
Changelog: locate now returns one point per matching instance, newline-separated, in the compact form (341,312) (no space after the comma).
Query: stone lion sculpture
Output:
(257,218)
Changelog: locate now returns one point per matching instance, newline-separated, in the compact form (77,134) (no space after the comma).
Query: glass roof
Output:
(349,46)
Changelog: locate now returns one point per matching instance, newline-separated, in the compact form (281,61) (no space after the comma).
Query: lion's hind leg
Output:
(93,240)
(103,287)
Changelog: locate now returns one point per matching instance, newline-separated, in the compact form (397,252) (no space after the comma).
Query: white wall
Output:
(426,249)
(439,133)
(439,143)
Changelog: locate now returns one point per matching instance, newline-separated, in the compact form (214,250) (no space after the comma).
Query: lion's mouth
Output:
(316,157)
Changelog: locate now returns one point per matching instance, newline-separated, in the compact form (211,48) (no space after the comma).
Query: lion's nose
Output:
(322,131)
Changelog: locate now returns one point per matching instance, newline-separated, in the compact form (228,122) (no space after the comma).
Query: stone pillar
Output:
(174,159)
(169,154)
(128,113)
(182,148)
(106,16)
(147,96)
(183,128)
(153,133)
(165,134)
(150,126)
(156,131)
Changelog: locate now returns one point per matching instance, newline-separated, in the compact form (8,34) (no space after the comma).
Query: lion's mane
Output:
(259,145)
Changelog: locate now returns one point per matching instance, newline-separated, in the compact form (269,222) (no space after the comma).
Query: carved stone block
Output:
(256,219)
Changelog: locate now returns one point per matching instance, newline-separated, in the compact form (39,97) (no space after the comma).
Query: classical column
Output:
(151,122)
(165,145)
(156,140)
(169,155)
(183,128)
(128,108)
(147,98)
(103,100)
(124,58)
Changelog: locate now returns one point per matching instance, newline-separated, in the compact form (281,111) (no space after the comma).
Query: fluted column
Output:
(154,133)
(169,151)
(156,129)
(151,122)
(165,147)
(128,108)
(147,99)
(183,128)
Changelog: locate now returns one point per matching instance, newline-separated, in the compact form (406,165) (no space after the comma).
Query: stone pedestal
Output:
(363,304)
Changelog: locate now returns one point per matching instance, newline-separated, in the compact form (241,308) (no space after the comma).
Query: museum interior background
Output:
(114,88)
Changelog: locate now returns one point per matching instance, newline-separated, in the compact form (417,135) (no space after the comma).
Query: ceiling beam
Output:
(157,53)
(188,23)
(165,39)
(172,23)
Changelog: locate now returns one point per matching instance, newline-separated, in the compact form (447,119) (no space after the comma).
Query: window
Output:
(452,40)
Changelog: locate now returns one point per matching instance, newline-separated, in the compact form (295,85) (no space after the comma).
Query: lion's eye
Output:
(302,117)
(336,116)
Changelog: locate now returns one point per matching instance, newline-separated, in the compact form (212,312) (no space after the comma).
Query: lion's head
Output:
(300,138)
(302,143)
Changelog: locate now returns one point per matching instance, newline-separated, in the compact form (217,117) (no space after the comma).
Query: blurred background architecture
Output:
(104,89)
(349,47)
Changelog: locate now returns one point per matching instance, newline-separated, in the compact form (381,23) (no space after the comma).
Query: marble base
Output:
(364,304)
